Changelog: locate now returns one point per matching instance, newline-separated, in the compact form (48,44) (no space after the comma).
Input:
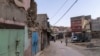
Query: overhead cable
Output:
(59,9)
(66,12)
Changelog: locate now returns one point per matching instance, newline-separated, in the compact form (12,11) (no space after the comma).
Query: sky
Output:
(82,7)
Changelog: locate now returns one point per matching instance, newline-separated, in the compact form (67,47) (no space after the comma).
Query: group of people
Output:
(66,41)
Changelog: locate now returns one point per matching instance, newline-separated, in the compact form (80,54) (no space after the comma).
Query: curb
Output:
(40,52)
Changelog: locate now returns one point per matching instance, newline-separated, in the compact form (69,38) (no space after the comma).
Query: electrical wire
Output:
(59,9)
(66,12)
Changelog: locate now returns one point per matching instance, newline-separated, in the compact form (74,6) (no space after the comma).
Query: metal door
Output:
(11,42)
(34,43)
(4,42)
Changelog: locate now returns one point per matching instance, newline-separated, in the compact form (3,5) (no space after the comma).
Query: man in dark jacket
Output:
(66,39)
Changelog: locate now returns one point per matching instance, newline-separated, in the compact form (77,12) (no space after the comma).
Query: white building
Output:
(96,24)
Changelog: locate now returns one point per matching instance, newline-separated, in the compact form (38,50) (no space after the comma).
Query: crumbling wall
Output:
(9,11)
(32,14)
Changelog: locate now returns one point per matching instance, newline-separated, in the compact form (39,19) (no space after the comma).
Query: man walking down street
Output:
(66,41)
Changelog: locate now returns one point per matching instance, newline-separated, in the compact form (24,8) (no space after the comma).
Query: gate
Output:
(34,43)
(11,42)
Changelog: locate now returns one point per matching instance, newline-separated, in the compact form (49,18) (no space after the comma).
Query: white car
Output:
(74,38)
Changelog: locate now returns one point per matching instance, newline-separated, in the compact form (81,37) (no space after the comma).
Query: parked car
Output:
(74,38)
(80,37)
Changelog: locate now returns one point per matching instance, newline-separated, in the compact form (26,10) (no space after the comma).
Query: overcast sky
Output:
(82,7)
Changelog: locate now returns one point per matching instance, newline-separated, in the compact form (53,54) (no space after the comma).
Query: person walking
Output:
(54,40)
(66,41)
(61,41)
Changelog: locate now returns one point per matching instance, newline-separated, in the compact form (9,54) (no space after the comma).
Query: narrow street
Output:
(59,49)
(41,27)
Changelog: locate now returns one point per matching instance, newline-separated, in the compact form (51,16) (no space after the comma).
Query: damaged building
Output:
(44,30)
(12,26)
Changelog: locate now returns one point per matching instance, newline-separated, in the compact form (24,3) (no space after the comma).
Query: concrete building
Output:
(95,27)
(81,25)
(17,22)
(44,30)
(31,37)
(95,24)
(59,30)
(12,28)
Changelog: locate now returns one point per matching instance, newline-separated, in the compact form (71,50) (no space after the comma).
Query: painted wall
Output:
(35,39)
(28,44)
(86,23)
(76,24)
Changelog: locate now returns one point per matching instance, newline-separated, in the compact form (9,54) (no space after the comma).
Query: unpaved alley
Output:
(59,49)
